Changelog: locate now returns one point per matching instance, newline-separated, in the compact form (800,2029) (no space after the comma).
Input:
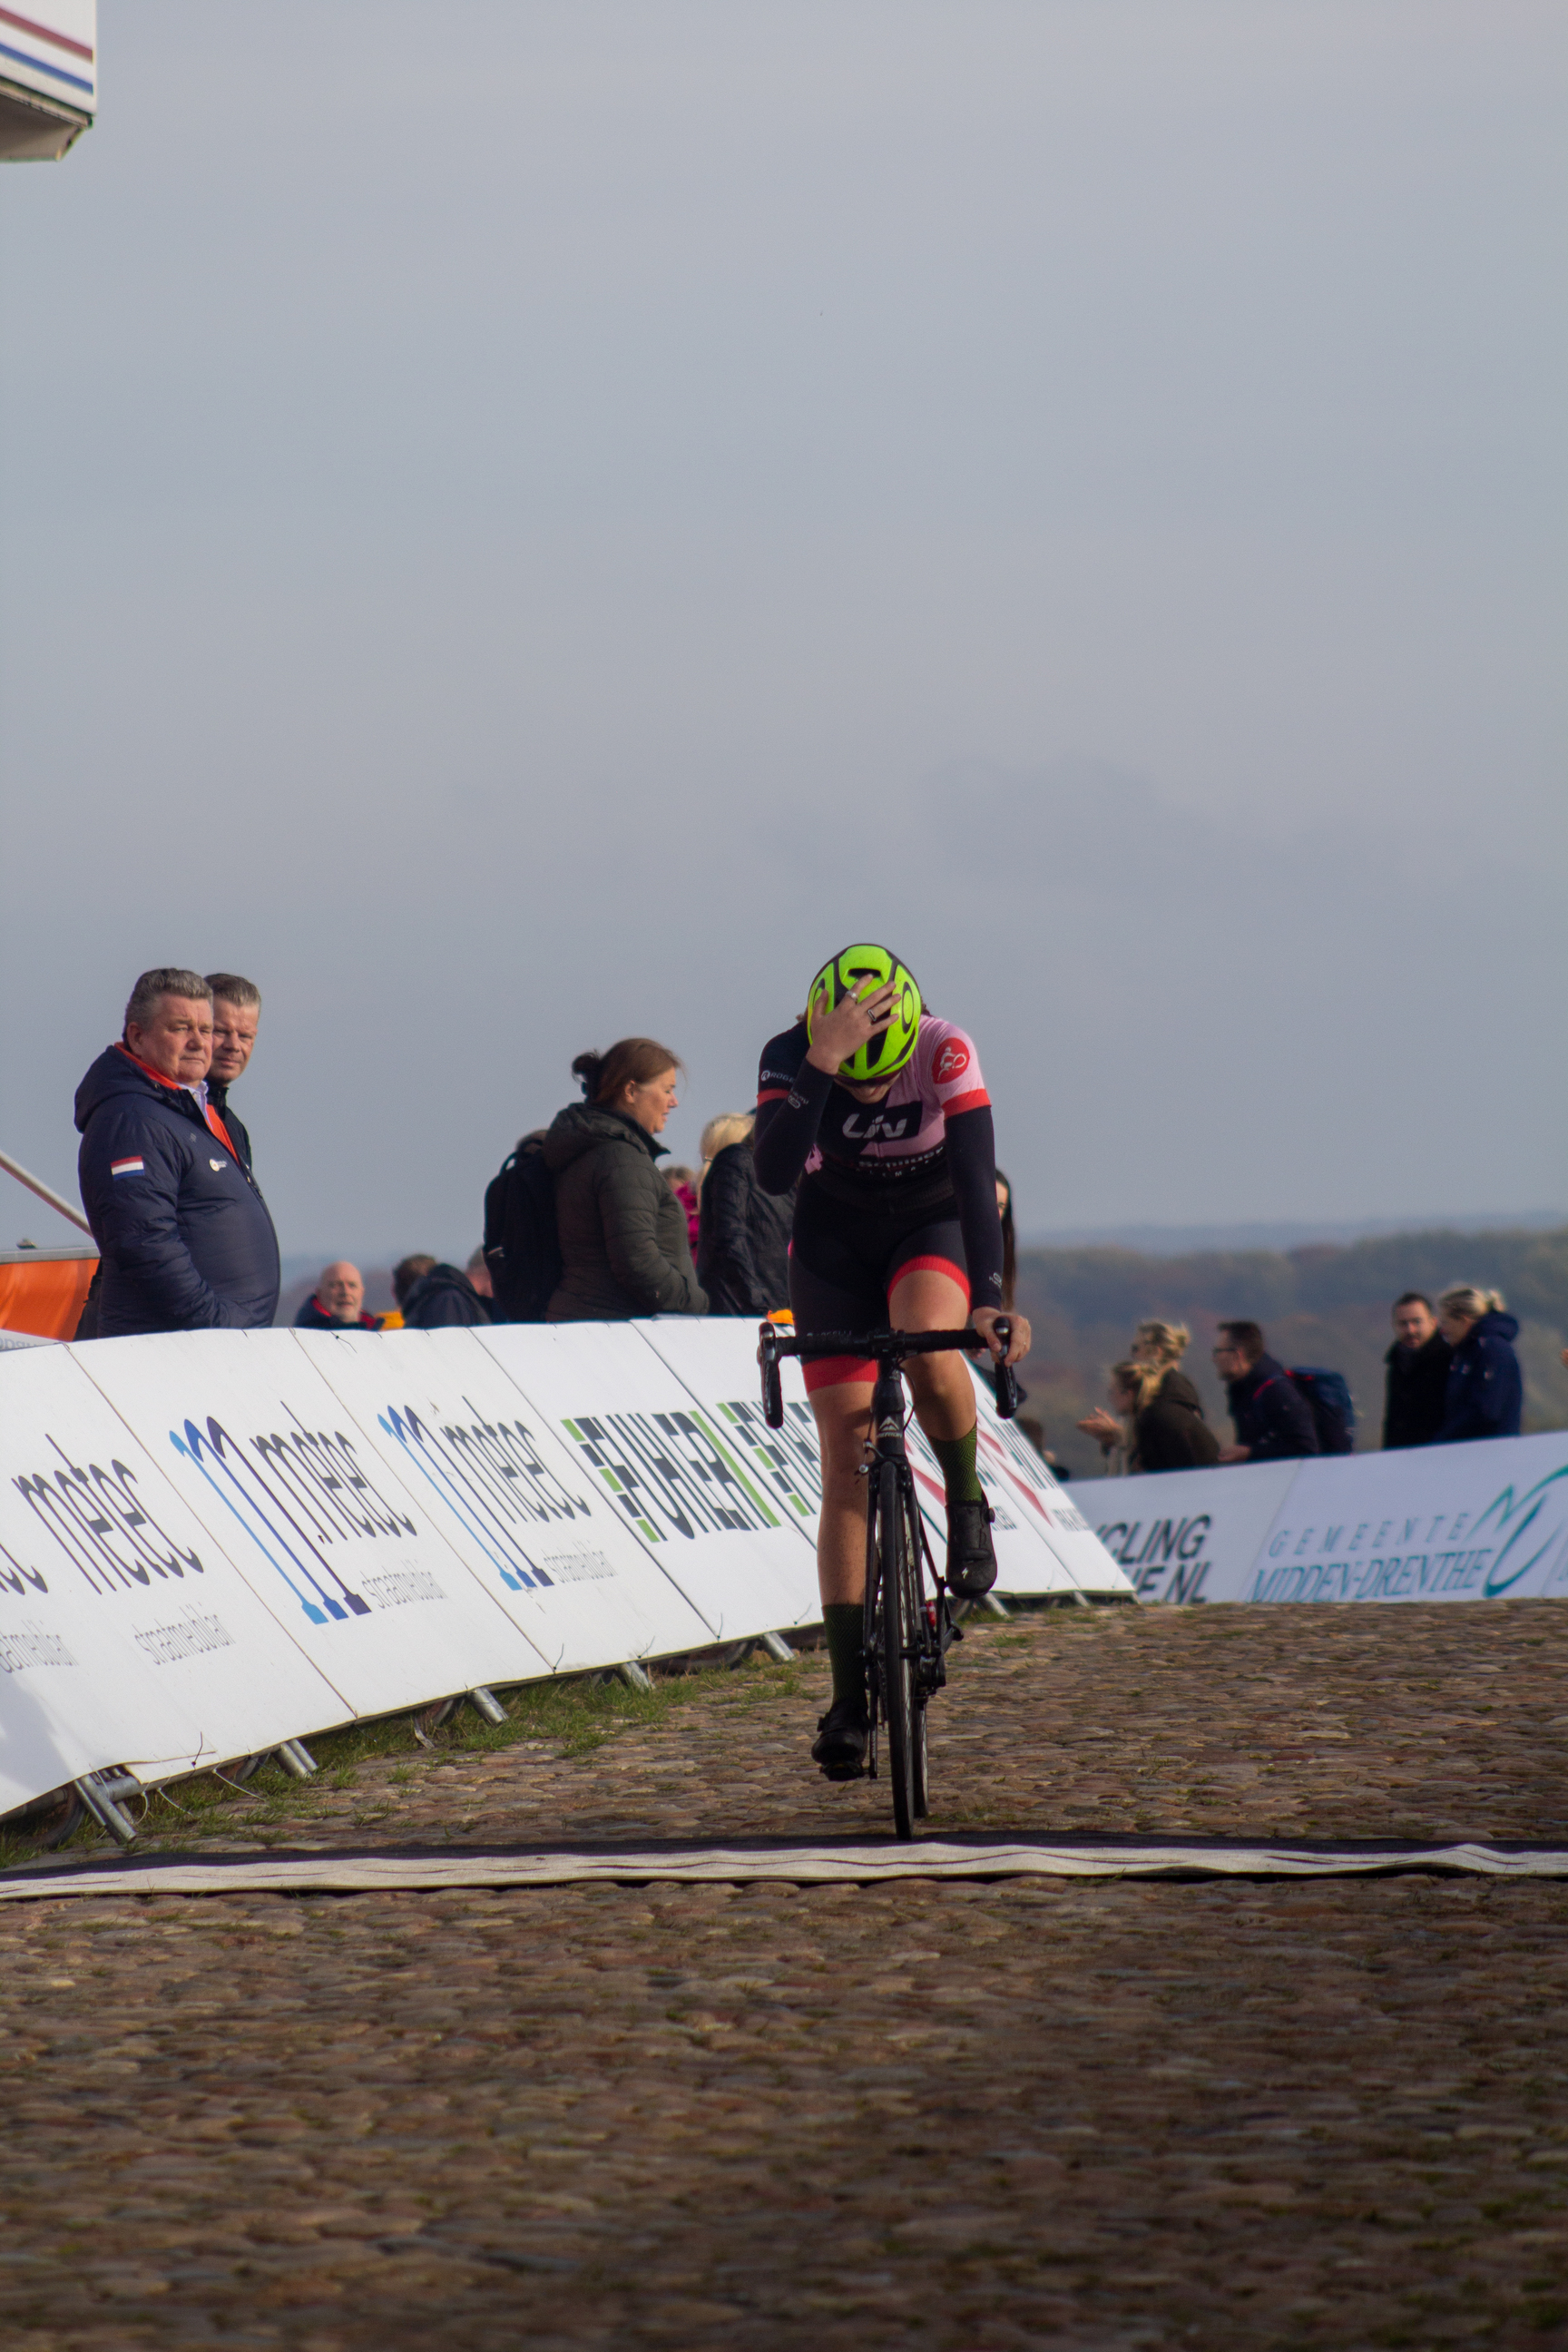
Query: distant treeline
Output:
(1318,1305)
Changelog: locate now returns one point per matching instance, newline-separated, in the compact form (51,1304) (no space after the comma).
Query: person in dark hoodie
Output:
(743,1246)
(185,1239)
(624,1245)
(1417,1380)
(1485,1391)
(432,1295)
(1273,1420)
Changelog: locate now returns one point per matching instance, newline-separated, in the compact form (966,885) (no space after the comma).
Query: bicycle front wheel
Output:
(897,1631)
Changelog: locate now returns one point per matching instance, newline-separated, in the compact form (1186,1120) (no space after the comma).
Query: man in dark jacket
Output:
(1273,1420)
(237,1017)
(337,1303)
(433,1295)
(184,1235)
(1418,1374)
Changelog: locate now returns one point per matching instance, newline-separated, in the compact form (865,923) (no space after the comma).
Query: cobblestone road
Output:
(968,2117)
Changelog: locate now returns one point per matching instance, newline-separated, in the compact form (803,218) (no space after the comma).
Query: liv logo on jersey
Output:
(127,1167)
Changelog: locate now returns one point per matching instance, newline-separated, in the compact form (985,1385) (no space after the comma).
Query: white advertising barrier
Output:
(1476,1522)
(1011,1471)
(259,1448)
(1188,1534)
(126,1635)
(1043,1545)
(532,1520)
(681,1486)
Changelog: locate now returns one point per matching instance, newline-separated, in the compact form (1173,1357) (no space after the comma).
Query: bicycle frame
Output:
(906,1633)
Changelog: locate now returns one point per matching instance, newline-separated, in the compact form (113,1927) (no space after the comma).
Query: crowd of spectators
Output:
(582,1225)
(1451,1375)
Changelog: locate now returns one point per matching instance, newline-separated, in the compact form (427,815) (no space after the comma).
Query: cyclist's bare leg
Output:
(941,1386)
(842,1415)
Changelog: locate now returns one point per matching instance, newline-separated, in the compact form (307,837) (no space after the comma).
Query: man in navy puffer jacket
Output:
(186,1237)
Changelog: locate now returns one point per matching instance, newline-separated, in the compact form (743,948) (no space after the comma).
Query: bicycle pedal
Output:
(843,1771)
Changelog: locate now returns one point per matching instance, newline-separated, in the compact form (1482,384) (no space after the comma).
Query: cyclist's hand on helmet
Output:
(835,1035)
(985,1319)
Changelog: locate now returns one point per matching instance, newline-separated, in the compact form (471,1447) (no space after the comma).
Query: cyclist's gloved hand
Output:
(985,1319)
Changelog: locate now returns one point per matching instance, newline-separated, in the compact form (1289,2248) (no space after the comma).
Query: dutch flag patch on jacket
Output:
(127,1167)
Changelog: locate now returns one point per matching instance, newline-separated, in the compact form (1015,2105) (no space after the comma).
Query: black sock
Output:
(844,1625)
(959,1475)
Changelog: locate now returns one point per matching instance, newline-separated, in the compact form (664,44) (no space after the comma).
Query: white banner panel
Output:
(1433,1522)
(1189,1535)
(263,1454)
(1014,1475)
(715,1359)
(532,1522)
(1042,1544)
(126,1636)
(681,1485)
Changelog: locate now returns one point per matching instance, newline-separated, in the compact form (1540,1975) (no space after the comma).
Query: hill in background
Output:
(1319,1304)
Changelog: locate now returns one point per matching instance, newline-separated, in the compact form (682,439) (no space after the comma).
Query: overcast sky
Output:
(524,524)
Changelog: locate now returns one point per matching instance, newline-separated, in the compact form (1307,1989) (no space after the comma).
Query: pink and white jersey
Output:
(942,1078)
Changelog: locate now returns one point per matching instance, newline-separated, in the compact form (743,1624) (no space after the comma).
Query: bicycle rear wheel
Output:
(898,1634)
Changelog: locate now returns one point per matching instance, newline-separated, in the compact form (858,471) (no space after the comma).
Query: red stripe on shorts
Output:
(832,1371)
(931,1265)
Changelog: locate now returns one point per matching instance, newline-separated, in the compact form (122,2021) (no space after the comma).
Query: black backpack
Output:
(1334,1411)
(521,1248)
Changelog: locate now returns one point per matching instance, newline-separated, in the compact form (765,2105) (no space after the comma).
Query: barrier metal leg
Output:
(485,1702)
(635,1677)
(101,1793)
(296,1758)
(994,1605)
(777,1648)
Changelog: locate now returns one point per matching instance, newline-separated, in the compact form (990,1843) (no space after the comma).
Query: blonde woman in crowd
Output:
(1157,1416)
(1155,1422)
(1485,1395)
(743,1235)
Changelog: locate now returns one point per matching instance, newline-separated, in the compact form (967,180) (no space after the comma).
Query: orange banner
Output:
(45,1298)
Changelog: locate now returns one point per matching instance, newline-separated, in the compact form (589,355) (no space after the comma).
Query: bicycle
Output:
(908,1631)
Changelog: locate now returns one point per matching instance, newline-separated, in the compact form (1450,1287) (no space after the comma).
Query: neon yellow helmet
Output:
(865,970)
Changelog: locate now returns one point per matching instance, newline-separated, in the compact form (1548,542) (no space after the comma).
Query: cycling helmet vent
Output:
(863,971)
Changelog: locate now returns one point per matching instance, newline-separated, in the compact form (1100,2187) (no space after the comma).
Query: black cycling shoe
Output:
(970,1554)
(842,1737)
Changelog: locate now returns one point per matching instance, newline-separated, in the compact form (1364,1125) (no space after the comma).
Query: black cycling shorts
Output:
(844,1263)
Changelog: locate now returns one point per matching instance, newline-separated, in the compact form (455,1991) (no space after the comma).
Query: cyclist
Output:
(879,1110)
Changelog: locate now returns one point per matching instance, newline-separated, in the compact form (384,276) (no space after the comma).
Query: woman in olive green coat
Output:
(624,1245)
